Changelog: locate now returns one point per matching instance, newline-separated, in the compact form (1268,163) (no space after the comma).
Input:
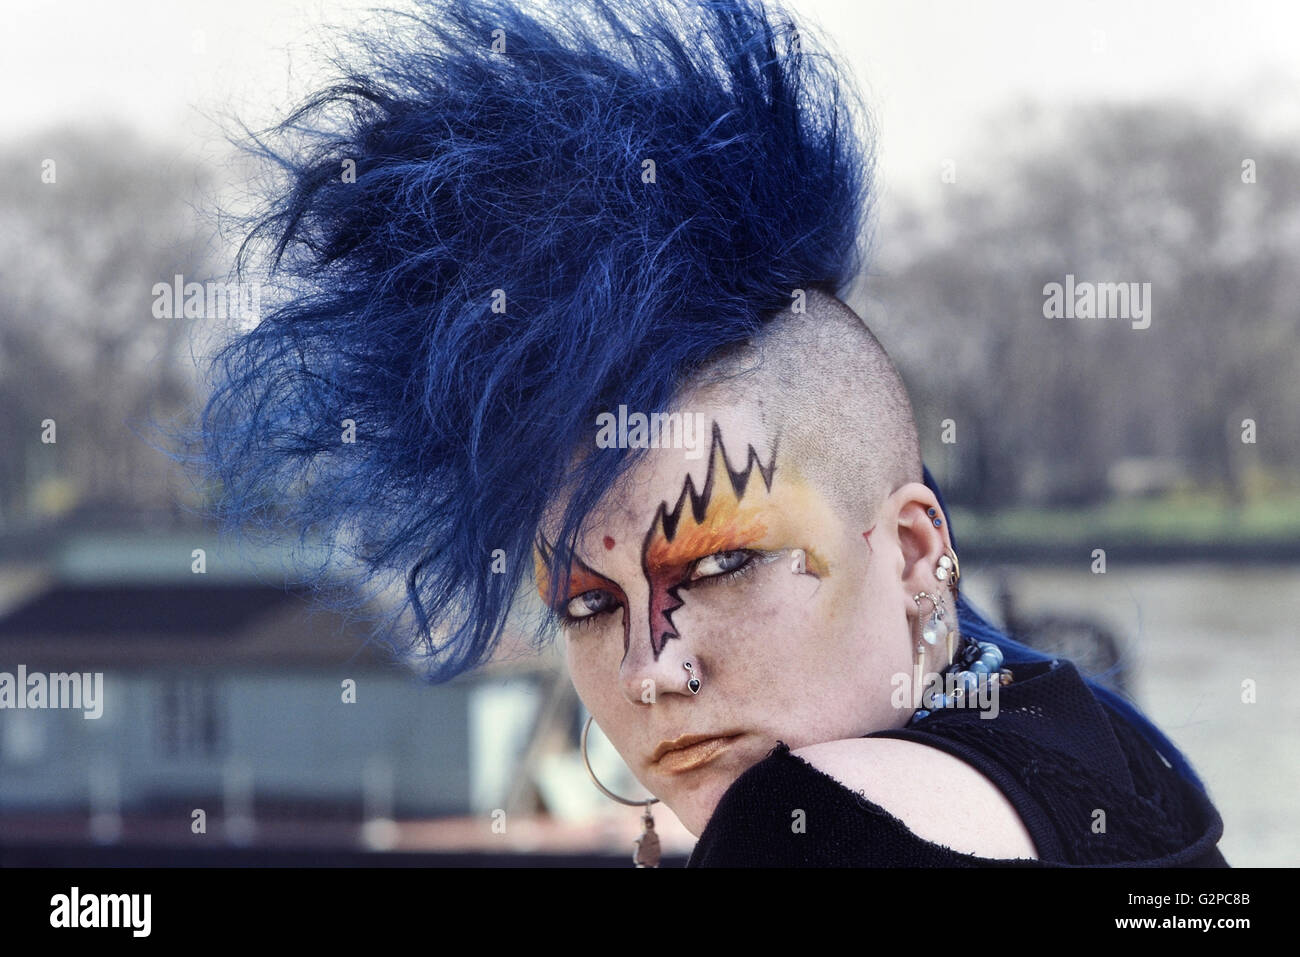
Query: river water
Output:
(1194,637)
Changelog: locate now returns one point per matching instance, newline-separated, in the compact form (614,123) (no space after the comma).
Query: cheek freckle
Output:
(609,543)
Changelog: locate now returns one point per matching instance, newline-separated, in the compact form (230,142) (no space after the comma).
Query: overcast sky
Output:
(931,70)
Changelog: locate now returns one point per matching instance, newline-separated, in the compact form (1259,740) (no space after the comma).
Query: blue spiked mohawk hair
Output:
(553,213)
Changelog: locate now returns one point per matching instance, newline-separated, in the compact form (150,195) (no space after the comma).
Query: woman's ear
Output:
(922,536)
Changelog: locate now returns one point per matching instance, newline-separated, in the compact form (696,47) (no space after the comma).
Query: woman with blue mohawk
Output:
(573,275)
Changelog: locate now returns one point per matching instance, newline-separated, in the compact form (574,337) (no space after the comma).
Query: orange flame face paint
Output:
(582,578)
(736,509)
(717,521)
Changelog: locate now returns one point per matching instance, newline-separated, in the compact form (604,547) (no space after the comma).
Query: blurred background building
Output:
(1019,145)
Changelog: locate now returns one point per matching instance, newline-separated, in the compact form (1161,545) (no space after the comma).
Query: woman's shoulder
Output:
(936,795)
(786,812)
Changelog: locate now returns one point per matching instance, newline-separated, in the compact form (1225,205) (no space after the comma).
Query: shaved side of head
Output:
(830,396)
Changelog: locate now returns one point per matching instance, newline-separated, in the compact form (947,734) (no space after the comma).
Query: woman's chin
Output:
(695,805)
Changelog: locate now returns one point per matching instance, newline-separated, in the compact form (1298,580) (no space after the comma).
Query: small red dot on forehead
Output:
(609,543)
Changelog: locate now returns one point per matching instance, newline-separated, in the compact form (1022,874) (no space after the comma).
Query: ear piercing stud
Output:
(948,567)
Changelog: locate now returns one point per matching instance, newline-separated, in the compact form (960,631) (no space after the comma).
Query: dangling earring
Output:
(948,563)
(949,570)
(647,844)
(936,629)
(931,632)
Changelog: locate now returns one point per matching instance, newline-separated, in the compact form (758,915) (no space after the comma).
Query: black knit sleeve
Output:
(783,812)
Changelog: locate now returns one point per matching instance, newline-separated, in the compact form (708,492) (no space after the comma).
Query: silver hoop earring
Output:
(693,683)
(646,853)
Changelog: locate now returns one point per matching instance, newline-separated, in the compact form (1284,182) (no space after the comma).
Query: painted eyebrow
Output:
(734,543)
(547,554)
(582,578)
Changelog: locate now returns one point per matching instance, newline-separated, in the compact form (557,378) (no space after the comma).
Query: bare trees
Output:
(91,220)
(1202,208)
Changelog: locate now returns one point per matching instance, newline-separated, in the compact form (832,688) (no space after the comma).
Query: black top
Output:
(1053,750)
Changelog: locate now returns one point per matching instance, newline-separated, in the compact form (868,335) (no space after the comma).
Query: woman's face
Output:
(793,614)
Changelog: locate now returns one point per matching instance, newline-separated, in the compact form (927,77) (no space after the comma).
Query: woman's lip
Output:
(685,741)
(691,751)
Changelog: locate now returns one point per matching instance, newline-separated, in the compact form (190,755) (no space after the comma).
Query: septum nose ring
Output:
(693,683)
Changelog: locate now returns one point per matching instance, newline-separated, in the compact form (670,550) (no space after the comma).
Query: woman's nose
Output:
(644,676)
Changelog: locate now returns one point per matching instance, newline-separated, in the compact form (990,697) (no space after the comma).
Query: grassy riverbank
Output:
(1201,524)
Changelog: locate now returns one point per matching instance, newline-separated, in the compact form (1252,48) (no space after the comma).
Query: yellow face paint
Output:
(737,509)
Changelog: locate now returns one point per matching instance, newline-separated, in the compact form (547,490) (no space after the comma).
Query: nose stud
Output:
(693,683)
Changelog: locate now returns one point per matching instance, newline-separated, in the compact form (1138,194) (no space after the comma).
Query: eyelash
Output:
(751,563)
(586,621)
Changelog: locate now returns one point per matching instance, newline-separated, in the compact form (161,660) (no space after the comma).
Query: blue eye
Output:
(720,563)
(589,604)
